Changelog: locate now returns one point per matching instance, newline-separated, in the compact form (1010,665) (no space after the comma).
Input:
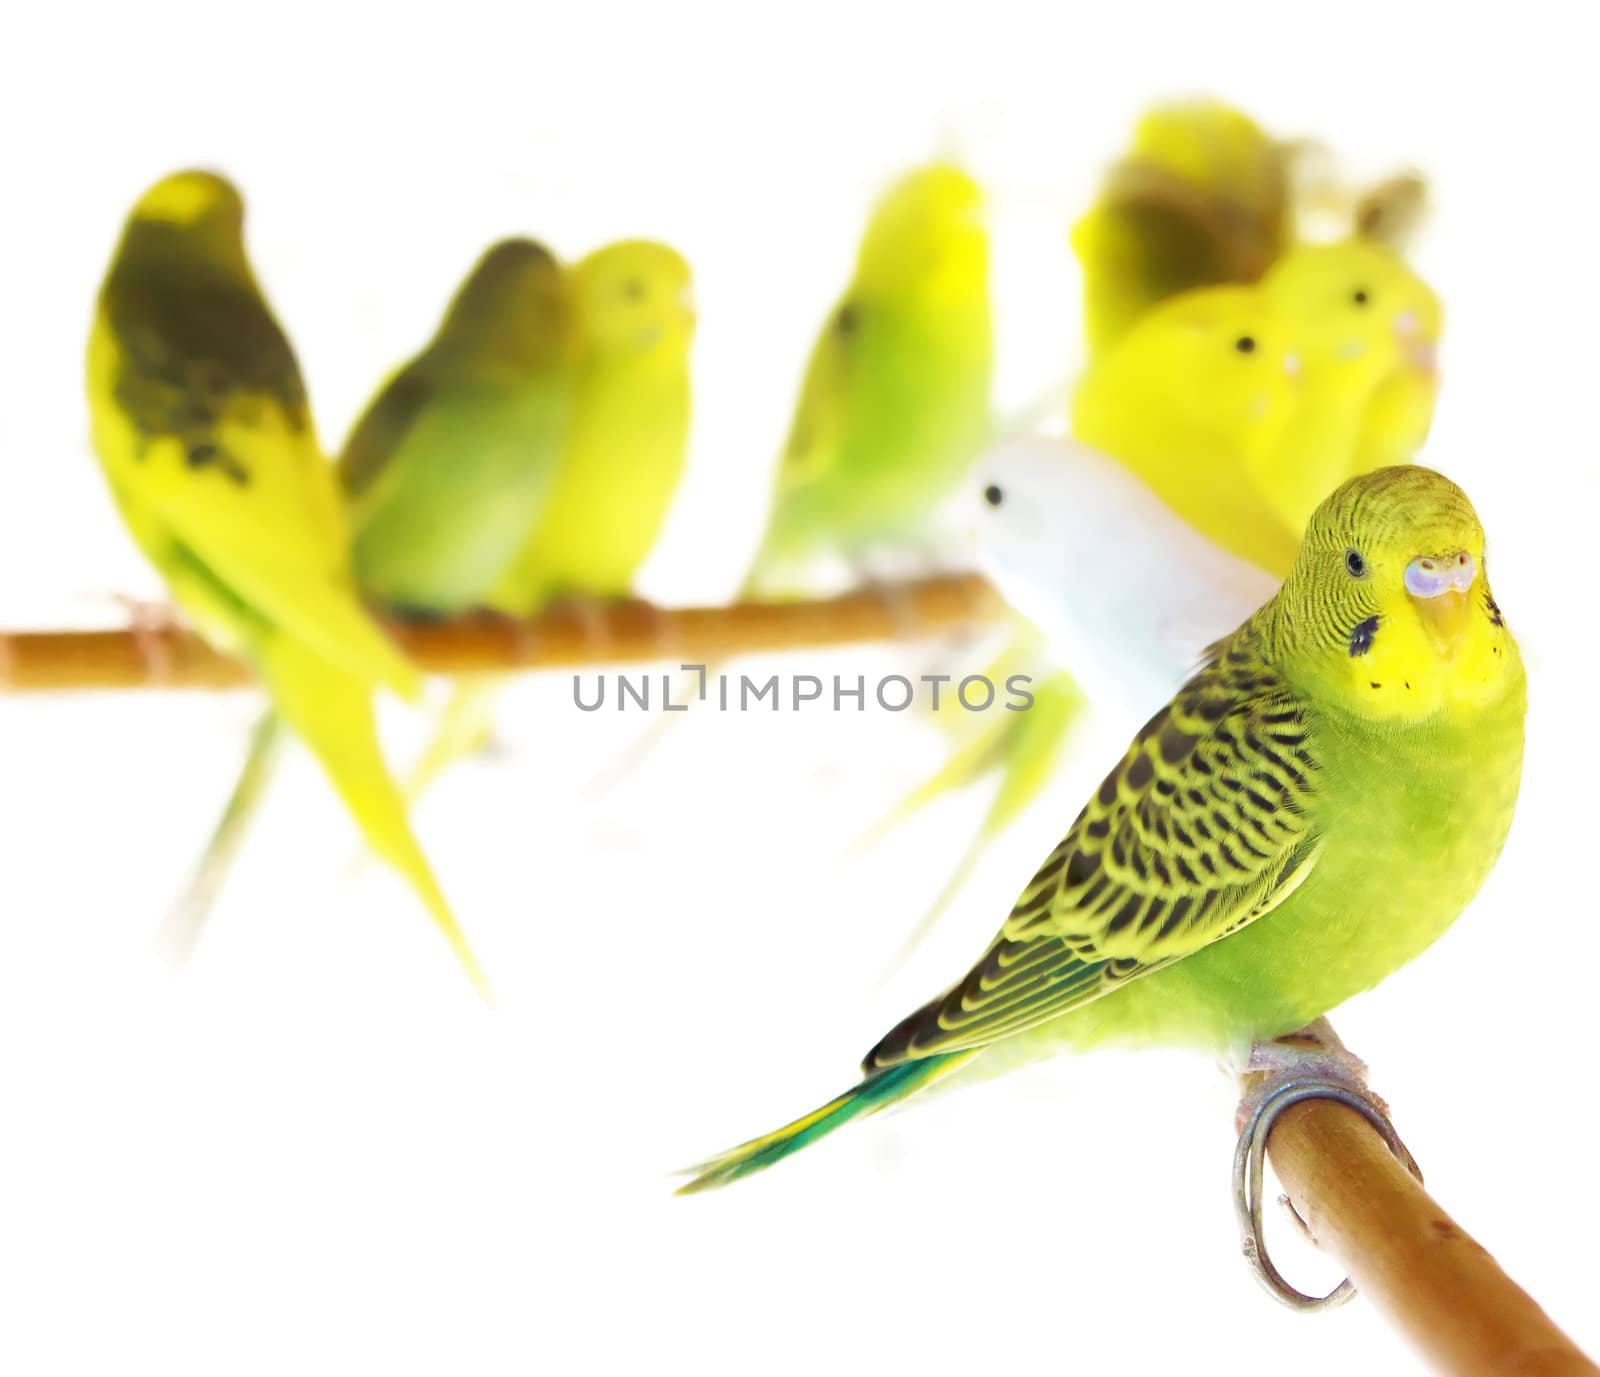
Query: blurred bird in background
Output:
(200,419)
(894,407)
(442,477)
(1130,595)
(449,467)
(1201,197)
(530,450)
(627,442)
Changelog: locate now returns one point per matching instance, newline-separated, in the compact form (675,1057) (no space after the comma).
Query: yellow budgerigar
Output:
(1366,330)
(627,438)
(1195,399)
(201,422)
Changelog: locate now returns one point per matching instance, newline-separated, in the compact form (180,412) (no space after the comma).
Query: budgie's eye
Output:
(993,496)
(1360,296)
(1245,344)
(1355,564)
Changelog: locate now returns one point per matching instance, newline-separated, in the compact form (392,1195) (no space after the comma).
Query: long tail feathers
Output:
(876,1092)
(333,714)
(186,921)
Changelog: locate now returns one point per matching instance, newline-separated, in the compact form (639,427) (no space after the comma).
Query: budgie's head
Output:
(1221,359)
(634,296)
(513,301)
(199,210)
(1356,305)
(926,233)
(1388,605)
(1209,144)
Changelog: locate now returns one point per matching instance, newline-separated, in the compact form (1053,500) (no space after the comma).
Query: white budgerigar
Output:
(1126,592)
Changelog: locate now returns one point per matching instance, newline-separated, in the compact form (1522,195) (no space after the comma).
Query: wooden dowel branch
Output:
(564,638)
(1407,1256)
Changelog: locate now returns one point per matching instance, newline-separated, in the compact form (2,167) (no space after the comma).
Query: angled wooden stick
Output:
(1407,1256)
(567,637)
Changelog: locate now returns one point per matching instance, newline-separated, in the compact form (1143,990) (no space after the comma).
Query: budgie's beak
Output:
(1439,586)
(1417,347)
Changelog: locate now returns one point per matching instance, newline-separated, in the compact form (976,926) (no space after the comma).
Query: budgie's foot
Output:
(1311,1053)
(151,624)
(887,583)
(661,632)
(604,619)
(1311,1064)
(557,618)
(589,615)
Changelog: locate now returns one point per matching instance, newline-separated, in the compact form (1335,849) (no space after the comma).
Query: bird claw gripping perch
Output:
(1249,1170)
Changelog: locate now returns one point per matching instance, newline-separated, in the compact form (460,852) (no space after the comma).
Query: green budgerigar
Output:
(1312,810)
(446,470)
(895,403)
(201,422)
(894,406)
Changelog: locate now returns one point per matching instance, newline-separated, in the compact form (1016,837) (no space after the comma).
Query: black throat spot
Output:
(1361,636)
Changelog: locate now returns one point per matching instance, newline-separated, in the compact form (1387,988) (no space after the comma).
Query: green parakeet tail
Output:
(877,1091)
(186,921)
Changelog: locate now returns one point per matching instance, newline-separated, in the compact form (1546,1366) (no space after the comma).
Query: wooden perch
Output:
(564,638)
(1407,1256)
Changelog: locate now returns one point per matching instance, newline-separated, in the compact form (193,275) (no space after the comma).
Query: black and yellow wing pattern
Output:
(1201,828)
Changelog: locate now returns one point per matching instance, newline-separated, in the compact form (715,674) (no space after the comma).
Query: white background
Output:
(312,1151)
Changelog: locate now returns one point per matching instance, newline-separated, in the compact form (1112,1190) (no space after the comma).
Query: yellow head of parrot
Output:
(187,197)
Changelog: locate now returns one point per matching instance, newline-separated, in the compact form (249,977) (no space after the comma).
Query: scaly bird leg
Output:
(1311,1053)
(1309,1064)
(151,624)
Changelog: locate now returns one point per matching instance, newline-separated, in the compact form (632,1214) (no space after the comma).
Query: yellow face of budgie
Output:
(1356,303)
(1388,604)
(634,295)
(1222,358)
